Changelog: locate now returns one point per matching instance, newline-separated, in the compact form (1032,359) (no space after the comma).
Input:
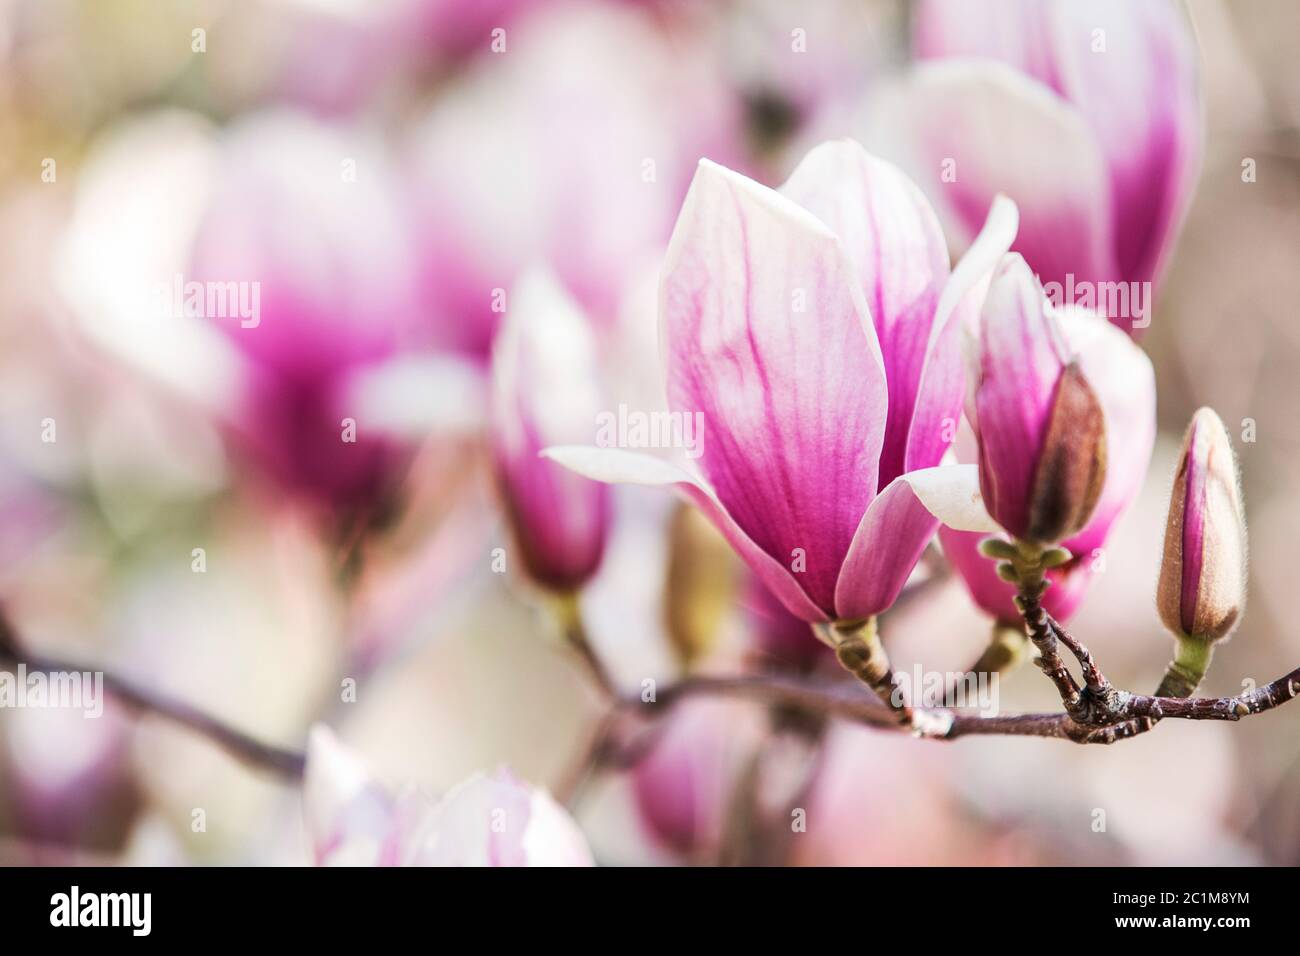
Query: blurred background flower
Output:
(186,503)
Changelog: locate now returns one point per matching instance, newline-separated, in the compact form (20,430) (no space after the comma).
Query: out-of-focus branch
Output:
(1101,714)
(248,750)
(1005,651)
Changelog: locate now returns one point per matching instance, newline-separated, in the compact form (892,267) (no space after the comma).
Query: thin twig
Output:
(1009,646)
(1049,659)
(863,709)
(1093,678)
(568,617)
(1104,716)
(248,750)
(570,788)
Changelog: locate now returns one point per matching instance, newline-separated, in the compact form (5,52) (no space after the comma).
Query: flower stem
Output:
(568,614)
(1026,565)
(1187,669)
(859,651)
(1007,650)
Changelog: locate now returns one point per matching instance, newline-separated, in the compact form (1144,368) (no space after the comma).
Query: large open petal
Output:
(617,466)
(893,239)
(970,129)
(1016,32)
(767,336)
(942,385)
(1129,68)
(1140,95)
(896,529)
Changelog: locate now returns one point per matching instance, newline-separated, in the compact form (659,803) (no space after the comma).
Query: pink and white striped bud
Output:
(545,392)
(1040,425)
(1202,587)
(1121,375)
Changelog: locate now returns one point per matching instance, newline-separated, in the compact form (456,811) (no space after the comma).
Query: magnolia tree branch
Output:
(859,708)
(1101,713)
(244,748)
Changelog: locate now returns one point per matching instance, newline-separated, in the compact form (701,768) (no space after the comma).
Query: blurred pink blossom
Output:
(523,159)
(683,785)
(545,392)
(487,820)
(327,256)
(65,775)
(1087,113)
(339,56)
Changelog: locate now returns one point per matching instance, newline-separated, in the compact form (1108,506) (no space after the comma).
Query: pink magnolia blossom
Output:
(545,392)
(330,265)
(768,55)
(681,787)
(449,27)
(1124,381)
(1086,112)
(65,773)
(487,820)
(809,329)
(337,57)
(1037,420)
(1202,585)
(523,159)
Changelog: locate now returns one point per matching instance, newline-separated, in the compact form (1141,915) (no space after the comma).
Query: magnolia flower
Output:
(681,786)
(67,777)
(1124,381)
(1202,585)
(1086,112)
(764,57)
(338,55)
(809,328)
(524,159)
(488,820)
(1038,422)
(545,393)
(450,27)
(317,278)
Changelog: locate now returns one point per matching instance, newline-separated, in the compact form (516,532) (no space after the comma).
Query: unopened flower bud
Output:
(1038,421)
(701,587)
(1072,462)
(1121,375)
(1202,585)
(546,392)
